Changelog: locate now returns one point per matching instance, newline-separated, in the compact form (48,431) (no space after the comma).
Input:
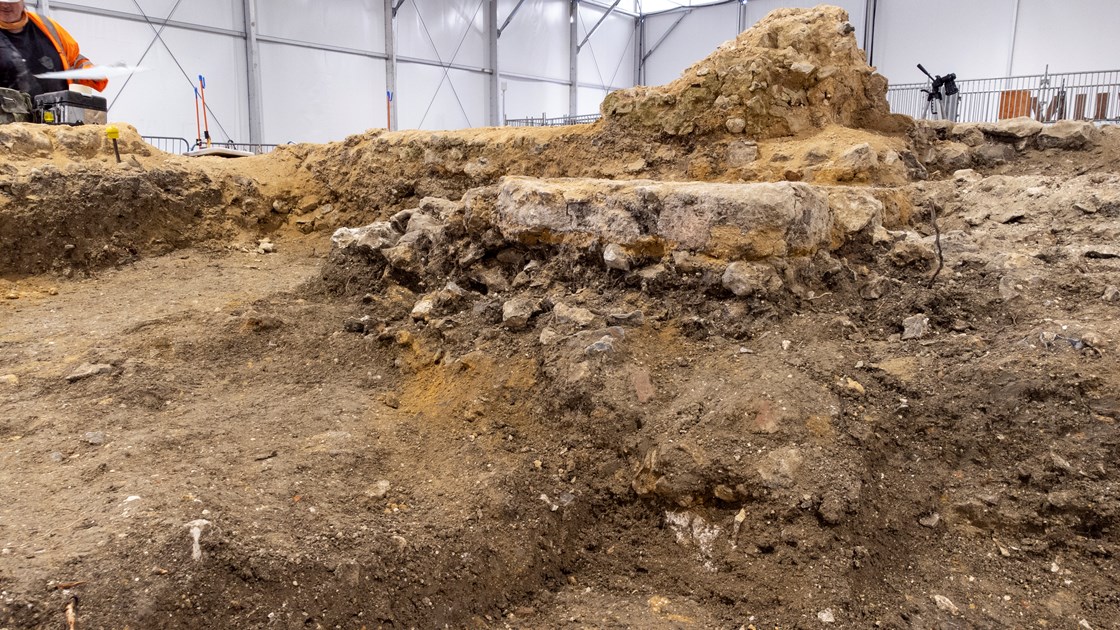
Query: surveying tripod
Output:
(944,96)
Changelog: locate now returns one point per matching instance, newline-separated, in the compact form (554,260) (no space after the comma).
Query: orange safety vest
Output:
(67,47)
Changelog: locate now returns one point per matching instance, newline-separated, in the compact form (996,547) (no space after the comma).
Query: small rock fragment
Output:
(946,604)
(616,258)
(930,520)
(745,279)
(826,616)
(265,246)
(605,345)
(87,370)
(379,489)
(915,327)
(9,379)
(517,312)
(1111,294)
(853,386)
(736,125)
(574,315)
(424,307)
(95,438)
(633,318)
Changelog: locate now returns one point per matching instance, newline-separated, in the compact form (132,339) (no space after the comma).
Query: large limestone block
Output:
(740,221)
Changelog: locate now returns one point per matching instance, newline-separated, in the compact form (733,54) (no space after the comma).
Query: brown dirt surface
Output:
(864,375)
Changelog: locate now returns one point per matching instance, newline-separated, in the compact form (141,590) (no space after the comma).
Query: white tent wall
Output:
(699,31)
(533,55)
(606,61)
(974,44)
(1067,36)
(322,68)
(161,101)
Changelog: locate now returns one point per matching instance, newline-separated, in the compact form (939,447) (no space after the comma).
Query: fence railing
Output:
(167,144)
(552,122)
(179,146)
(1045,97)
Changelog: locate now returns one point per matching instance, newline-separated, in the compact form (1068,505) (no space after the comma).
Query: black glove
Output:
(13,69)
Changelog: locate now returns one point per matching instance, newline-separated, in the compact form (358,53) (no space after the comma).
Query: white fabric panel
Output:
(1069,36)
(443,30)
(857,9)
(967,37)
(531,99)
(536,42)
(358,24)
(697,36)
(160,102)
(426,99)
(217,13)
(589,100)
(607,59)
(319,96)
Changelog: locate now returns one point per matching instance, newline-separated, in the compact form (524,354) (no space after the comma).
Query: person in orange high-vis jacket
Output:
(44,46)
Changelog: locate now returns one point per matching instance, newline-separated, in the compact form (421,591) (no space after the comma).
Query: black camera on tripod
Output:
(943,95)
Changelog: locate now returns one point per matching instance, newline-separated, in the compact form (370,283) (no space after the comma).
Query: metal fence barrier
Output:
(1046,97)
(167,144)
(544,121)
(179,146)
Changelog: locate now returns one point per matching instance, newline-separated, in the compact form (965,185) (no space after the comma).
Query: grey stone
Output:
(945,604)
(373,237)
(915,327)
(954,156)
(633,318)
(746,279)
(379,489)
(736,125)
(604,345)
(1111,294)
(803,67)
(741,153)
(858,161)
(779,468)
(1013,128)
(517,312)
(95,438)
(653,273)
(572,315)
(616,258)
(266,246)
(424,307)
(855,210)
(1072,135)
(87,370)
(930,520)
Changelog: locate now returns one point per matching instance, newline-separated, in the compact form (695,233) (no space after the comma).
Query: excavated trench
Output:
(730,372)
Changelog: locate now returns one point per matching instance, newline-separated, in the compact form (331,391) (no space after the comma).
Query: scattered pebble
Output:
(946,604)
(9,379)
(379,489)
(87,370)
(915,327)
(95,438)
(1111,294)
(266,247)
(826,616)
(930,521)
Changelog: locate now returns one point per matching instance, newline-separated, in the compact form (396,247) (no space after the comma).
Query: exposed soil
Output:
(603,376)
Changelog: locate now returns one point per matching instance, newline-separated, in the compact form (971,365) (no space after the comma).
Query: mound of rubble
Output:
(794,72)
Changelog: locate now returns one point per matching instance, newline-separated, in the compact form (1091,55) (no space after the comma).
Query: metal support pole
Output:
(43,7)
(391,64)
(742,15)
(640,48)
(573,57)
(597,25)
(1014,36)
(869,18)
(516,8)
(253,72)
(495,78)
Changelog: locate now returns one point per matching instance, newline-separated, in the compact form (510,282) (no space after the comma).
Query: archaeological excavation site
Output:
(749,352)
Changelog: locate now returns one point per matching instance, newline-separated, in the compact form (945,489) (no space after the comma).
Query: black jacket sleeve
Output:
(13,70)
